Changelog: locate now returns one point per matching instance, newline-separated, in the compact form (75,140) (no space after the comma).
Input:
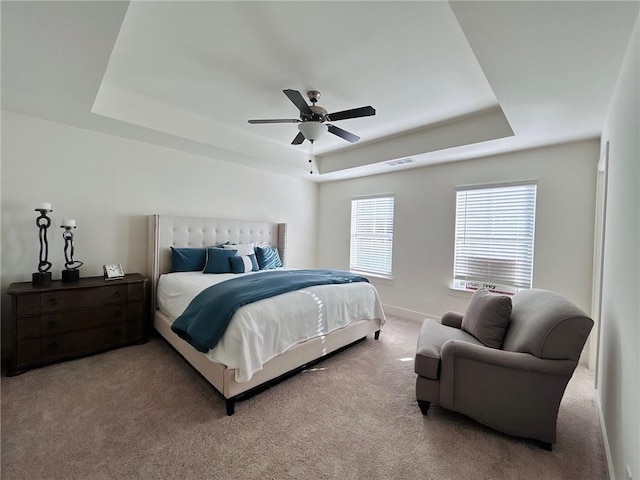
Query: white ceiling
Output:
(449,80)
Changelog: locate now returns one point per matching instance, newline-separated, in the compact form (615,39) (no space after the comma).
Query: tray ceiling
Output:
(449,80)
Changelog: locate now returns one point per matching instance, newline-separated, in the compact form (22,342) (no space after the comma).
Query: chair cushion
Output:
(487,317)
(432,336)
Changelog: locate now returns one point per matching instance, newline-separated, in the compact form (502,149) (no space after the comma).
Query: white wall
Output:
(619,357)
(424,223)
(110,185)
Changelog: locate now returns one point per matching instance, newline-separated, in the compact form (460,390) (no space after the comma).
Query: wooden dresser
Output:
(66,320)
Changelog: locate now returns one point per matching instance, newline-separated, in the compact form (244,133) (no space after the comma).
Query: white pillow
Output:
(243,264)
(242,250)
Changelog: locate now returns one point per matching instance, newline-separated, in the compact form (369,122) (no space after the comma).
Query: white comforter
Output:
(262,330)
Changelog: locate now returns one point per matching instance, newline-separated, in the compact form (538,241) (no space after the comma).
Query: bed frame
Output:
(167,231)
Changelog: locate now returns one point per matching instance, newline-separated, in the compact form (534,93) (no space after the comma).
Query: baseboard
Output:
(605,439)
(407,314)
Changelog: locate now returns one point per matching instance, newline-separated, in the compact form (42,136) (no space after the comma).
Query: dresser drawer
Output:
(135,291)
(73,299)
(85,341)
(28,304)
(135,311)
(56,323)
(28,352)
(28,327)
(135,330)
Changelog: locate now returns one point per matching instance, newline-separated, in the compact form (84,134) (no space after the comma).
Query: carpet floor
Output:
(143,412)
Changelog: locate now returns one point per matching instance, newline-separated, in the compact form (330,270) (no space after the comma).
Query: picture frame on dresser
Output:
(113,271)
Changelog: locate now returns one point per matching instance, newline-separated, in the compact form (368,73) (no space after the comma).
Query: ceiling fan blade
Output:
(298,100)
(276,120)
(353,113)
(348,136)
(298,140)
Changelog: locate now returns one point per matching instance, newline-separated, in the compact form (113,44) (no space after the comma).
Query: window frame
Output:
(511,243)
(359,266)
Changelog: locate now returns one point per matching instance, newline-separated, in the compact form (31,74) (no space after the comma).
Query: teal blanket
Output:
(206,318)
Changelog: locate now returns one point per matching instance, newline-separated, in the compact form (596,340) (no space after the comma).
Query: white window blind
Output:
(372,234)
(494,237)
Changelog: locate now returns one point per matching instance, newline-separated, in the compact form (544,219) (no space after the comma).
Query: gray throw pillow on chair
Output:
(487,317)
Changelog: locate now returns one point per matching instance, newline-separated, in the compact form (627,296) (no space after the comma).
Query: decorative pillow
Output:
(218,260)
(268,258)
(487,317)
(243,263)
(187,259)
(243,250)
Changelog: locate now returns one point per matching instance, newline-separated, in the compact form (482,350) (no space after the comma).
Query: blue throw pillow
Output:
(218,260)
(268,258)
(187,259)
(242,264)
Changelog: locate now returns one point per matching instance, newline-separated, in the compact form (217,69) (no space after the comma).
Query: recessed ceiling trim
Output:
(486,125)
(139,110)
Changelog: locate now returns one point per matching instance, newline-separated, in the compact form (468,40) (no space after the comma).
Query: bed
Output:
(231,379)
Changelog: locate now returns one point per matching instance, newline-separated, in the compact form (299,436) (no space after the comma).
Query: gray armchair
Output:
(511,371)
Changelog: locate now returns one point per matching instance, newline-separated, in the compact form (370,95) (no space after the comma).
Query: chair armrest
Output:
(452,319)
(515,393)
(457,349)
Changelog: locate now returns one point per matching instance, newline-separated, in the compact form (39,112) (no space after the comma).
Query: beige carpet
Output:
(142,412)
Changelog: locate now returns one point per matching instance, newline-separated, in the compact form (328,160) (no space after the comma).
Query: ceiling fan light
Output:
(312,130)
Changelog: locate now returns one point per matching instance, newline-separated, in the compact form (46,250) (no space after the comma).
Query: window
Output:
(494,238)
(372,234)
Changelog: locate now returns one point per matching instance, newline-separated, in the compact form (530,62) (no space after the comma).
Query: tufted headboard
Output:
(167,231)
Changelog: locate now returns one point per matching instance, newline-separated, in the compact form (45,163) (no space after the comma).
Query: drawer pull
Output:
(52,346)
(53,324)
(116,294)
(52,301)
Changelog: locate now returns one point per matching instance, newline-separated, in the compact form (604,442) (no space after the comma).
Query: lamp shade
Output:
(312,130)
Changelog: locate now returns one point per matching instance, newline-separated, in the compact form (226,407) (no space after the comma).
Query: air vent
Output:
(402,161)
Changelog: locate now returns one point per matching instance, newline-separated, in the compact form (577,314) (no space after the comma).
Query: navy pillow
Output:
(218,260)
(187,259)
(246,263)
(268,258)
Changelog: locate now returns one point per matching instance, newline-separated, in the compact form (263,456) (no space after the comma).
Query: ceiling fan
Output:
(312,123)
